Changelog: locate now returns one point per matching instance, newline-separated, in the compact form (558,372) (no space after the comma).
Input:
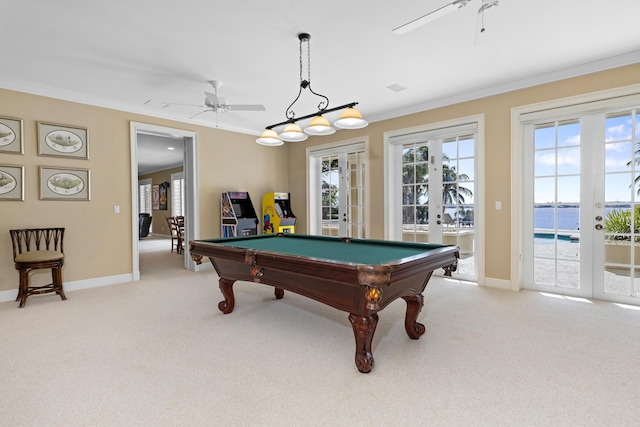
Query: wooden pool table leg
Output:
(226,287)
(363,330)
(411,325)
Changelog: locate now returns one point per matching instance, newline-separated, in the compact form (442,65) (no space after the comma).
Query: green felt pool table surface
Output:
(354,251)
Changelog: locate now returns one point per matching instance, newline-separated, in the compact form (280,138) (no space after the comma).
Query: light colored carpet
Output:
(158,352)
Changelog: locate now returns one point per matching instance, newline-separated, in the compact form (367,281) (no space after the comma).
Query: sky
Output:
(560,163)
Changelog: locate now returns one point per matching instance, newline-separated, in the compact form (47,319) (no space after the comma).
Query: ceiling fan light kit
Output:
(350,119)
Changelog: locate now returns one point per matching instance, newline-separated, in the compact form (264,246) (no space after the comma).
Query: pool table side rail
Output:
(311,277)
(425,250)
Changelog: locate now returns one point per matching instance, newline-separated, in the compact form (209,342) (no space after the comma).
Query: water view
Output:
(568,218)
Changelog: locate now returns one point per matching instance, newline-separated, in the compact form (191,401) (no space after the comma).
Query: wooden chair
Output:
(38,248)
(175,236)
(180,227)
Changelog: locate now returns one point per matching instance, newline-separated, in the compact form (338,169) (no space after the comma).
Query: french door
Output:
(436,176)
(338,191)
(582,205)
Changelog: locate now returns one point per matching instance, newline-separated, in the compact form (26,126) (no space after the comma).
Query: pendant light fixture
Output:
(319,125)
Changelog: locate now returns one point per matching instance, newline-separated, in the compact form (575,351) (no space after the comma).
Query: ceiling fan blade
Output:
(429,17)
(201,112)
(488,5)
(246,107)
(168,104)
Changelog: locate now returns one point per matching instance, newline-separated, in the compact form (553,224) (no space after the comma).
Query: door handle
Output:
(598,226)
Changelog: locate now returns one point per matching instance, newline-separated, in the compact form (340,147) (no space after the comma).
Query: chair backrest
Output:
(144,224)
(171,221)
(35,239)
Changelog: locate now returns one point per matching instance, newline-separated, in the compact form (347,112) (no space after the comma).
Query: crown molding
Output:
(554,76)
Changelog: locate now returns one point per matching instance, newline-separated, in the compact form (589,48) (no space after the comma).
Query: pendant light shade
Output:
(293,133)
(270,138)
(319,126)
(350,119)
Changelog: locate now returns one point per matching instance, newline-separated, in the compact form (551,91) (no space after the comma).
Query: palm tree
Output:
(636,160)
(418,173)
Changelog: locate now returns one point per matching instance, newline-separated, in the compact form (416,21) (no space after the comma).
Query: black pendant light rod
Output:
(319,113)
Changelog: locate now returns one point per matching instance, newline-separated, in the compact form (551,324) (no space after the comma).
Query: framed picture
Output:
(11,182)
(63,141)
(64,183)
(163,196)
(155,197)
(11,135)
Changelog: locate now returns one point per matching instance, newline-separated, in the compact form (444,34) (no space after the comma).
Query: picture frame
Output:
(163,196)
(63,141)
(11,182)
(11,135)
(155,197)
(59,183)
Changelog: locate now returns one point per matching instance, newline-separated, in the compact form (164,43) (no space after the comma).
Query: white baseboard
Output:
(497,283)
(78,285)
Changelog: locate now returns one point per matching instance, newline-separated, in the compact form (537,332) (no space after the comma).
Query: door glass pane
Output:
(355,195)
(415,216)
(556,208)
(622,210)
(330,187)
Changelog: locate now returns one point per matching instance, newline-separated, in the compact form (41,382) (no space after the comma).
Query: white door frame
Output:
(192,218)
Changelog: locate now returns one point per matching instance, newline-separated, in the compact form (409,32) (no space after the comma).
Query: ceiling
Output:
(137,56)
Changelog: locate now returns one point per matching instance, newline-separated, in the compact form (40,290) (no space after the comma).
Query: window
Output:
(177,194)
(144,196)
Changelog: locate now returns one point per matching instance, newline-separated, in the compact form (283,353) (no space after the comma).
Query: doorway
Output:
(192,228)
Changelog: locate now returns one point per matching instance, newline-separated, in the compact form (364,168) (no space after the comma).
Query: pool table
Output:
(358,276)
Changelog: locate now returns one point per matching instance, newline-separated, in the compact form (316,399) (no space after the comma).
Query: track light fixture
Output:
(350,118)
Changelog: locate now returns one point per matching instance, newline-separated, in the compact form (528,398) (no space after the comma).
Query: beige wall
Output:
(97,241)
(497,146)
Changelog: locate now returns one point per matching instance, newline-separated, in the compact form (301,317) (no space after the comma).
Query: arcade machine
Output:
(238,215)
(276,214)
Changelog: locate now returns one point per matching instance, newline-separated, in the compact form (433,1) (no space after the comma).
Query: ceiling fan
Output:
(217,104)
(440,12)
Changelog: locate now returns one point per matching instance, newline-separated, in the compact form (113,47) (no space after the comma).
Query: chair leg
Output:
(56,275)
(20,290)
(23,292)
